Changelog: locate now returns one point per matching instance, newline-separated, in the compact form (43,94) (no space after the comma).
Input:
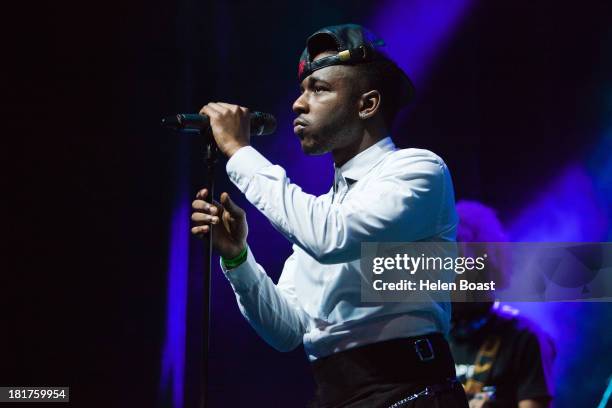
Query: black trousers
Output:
(382,374)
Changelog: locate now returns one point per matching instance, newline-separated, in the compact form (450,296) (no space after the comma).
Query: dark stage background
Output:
(515,95)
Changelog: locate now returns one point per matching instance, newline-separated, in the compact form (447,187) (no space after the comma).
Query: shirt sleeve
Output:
(272,310)
(533,374)
(404,203)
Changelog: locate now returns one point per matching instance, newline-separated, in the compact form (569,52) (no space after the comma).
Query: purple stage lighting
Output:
(173,357)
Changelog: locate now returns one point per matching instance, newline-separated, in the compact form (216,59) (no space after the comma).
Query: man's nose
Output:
(300,105)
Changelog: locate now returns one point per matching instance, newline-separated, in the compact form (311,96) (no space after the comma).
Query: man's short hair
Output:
(384,76)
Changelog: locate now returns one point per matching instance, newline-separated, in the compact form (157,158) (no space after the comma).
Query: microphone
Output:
(261,123)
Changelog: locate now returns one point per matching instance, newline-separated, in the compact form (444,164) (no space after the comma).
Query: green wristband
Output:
(234,262)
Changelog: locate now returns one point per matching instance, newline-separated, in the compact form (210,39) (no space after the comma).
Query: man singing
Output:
(362,354)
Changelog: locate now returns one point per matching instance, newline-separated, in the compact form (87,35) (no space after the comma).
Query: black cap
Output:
(355,45)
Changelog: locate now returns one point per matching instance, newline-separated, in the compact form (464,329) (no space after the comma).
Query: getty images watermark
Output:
(413,264)
(482,271)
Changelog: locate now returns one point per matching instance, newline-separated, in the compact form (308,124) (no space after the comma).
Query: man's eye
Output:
(318,89)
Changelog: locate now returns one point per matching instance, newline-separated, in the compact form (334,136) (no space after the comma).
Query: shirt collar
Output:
(362,163)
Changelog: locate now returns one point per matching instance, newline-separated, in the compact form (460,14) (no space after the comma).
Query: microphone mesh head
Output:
(262,123)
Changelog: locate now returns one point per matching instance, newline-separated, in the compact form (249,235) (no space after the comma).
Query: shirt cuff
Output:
(244,276)
(243,165)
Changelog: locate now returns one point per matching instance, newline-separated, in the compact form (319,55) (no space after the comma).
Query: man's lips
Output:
(299,125)
(300,121)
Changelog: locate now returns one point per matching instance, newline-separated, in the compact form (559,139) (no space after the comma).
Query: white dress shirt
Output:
(383,194)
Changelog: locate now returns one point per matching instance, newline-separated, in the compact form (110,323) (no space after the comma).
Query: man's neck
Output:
(344,154)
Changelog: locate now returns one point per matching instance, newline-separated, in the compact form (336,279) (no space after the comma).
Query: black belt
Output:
(449,385)
(352,374)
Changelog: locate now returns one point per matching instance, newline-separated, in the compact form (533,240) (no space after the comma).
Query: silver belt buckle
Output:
(424,349)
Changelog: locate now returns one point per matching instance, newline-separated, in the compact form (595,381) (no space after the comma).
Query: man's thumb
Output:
(229,205)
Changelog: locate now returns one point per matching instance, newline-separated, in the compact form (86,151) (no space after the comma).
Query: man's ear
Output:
(369,104)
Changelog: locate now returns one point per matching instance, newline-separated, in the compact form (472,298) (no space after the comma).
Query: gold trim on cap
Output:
(344,55)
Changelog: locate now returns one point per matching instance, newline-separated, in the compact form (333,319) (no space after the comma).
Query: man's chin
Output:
(312,149)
